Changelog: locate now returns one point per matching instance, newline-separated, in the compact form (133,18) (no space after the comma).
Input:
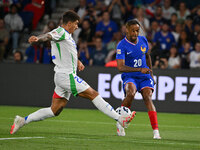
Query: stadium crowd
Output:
(171,27)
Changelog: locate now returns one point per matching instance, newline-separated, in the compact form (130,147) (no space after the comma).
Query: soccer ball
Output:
(125,111)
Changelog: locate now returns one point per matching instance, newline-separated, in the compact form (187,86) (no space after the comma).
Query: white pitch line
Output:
(21,138)
(132,141)
(109,123)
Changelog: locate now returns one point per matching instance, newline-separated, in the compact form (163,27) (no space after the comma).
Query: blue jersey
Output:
(165,41)
(108,30)
(134,55)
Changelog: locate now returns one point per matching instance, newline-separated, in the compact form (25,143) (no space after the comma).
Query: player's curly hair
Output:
(133,22)
(70,16)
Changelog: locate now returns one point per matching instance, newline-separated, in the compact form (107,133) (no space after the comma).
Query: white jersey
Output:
(63,51)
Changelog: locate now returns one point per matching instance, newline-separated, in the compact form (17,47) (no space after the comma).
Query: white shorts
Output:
(67,84)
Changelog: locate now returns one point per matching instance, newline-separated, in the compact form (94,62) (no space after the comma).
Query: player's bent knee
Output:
(89,94)
(147,98)
(94,93)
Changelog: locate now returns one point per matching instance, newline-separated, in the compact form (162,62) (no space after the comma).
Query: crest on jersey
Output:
(118,51)
(143,49)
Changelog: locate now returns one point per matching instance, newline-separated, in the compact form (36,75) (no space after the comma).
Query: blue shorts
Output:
(140,83)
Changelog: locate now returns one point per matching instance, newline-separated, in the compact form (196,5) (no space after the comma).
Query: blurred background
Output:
(171,27)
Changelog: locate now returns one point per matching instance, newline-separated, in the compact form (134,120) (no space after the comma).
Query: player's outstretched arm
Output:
(123,68)
(39,39)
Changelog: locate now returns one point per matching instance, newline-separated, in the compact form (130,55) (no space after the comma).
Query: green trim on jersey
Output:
(59,30)
(58,46)
(73,63)
(62,37)
(73,85)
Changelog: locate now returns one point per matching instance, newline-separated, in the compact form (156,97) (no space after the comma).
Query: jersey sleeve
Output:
(58,34)
(146,43)
(114,27)
(156,37)
(99,27)
(120,51)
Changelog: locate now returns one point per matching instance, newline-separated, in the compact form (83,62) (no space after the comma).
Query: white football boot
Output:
(18,123)
(120,130)
(156,134)
(125,120)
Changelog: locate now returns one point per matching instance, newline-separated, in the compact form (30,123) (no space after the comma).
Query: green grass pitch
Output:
(81,129)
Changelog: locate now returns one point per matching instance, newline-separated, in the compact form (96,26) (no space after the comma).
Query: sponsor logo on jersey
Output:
(118,51)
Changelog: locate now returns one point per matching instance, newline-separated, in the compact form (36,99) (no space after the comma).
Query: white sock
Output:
(156,132)
(105,107)
(41,114)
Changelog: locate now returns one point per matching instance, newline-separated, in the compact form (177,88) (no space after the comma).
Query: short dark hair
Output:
(166,22)
(132,22)
(20,53)
(174,14)
(13,5)
(70,16)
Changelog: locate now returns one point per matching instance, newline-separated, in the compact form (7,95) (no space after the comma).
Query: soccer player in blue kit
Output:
(134,60)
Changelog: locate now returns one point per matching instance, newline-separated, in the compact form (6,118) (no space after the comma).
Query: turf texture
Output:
(82,129)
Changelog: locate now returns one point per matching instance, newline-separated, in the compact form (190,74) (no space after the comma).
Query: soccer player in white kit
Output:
(64,56)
